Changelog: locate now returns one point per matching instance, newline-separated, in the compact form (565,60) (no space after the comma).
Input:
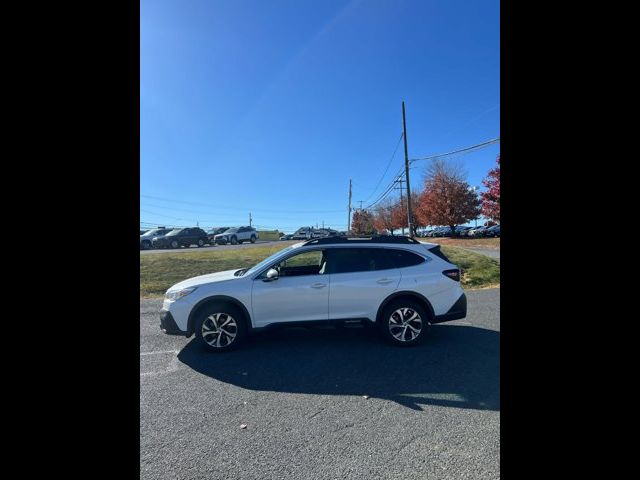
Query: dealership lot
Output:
(259,243)
(431,411)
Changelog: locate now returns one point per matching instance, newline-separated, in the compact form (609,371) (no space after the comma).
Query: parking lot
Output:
(324,403)
(193,248)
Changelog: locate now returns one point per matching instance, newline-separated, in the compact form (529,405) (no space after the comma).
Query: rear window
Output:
(438,253)
(404,258)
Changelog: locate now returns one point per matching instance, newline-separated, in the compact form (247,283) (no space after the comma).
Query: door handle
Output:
(384,281)
(318,285)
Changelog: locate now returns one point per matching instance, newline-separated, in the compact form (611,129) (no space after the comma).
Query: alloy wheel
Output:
(219,330)
(405,324)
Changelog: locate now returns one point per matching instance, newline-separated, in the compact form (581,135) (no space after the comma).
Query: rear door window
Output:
(404,258)
(349,260)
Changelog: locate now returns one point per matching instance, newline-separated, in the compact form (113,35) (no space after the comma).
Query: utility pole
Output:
(360,204)
(406,171)
(250,218)
(323,224)
(349,219)
(399,180)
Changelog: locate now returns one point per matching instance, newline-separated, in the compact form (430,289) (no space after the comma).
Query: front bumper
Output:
(457,311)
(221,241)
(168,324)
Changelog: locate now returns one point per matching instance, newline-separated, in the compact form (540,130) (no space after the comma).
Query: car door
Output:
(184,237)
(301,292)
(361,278)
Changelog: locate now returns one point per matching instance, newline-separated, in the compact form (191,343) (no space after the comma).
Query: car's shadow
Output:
(457,366)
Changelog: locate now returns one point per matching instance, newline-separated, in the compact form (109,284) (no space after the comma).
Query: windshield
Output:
(174,232)
(150,232)
(272,259)
(231,230)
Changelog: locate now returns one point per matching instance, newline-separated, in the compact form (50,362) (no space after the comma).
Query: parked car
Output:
(213,232)
(181,237)
(287,236)
(464,231)
(305,233)
(142,232)
(146,239)
(493,231)
(397,284)
(324,232)
(237,235)
(478,232)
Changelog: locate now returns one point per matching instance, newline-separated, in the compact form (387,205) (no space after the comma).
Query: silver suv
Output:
(395,283)
(237,235)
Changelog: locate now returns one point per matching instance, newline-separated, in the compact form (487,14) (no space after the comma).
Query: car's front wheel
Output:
(220,327)
(404,322)
(200,243)
(146,245)
(234,241)
(253,239)
(175,244)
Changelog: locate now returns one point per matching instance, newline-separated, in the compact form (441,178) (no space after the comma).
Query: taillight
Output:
(453,274)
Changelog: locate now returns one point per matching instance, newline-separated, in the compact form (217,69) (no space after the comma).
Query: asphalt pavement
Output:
(432,411)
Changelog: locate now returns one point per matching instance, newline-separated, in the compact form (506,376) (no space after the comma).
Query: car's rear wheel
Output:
(253,239)
(234,240)
(146,245)
(175,244)
(404,322)
(220,327)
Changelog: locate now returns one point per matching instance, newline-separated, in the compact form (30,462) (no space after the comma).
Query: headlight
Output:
(176,294)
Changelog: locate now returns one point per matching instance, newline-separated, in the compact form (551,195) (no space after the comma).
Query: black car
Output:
(182,237)
(146,239)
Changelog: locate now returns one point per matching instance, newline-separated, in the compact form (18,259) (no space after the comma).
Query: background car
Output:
(146,239)
(237,235)
(477,232)
(215,231)
(288,236)
(181,237)
(493,231)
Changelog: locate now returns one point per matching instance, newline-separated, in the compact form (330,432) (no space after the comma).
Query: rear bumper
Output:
(168,324)
(457,311)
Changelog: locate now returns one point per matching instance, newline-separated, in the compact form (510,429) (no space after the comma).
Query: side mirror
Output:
(272,274)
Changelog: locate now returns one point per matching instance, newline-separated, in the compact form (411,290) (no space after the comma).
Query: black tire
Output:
(421,323)
(253,239)
(146,245)
(207,315)
(175,244)
(234,240)
(200,242)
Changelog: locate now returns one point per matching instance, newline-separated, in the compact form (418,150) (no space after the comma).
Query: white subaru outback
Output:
(396,283)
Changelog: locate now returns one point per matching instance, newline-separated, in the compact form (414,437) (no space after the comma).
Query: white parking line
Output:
(155,353)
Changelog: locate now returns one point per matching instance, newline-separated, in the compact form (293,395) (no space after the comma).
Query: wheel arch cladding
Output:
(407,294)
(205,302)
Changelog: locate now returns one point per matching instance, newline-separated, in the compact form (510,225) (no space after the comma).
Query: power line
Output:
(386,169)
(473,147)
(388,190)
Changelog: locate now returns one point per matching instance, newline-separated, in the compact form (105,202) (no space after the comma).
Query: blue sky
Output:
(271,106)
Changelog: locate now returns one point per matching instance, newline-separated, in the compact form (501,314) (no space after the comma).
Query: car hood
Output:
(205,279)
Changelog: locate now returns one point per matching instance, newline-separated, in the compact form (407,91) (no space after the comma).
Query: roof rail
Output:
(361,239)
